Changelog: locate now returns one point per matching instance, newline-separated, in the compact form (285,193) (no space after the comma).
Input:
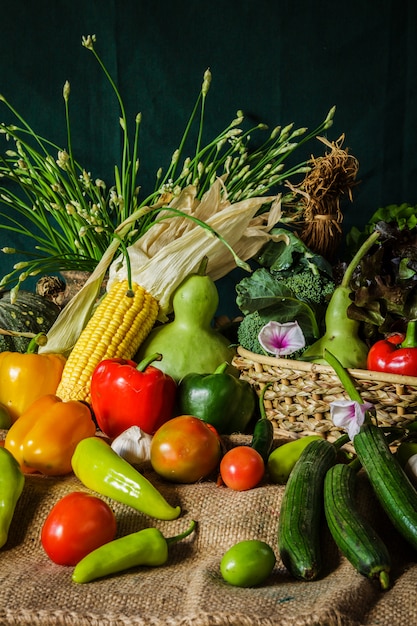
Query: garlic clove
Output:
(133,445)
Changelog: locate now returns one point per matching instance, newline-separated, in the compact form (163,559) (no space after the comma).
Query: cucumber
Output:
(351,531)
(301,511)
(391,485)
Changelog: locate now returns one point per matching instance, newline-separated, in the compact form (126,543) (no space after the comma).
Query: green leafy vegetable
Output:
(385,283)
(291,255)
(293,284)
(403,215)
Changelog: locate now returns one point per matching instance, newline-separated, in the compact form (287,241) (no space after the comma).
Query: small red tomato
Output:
(242,468)
(185,449)
(76,525)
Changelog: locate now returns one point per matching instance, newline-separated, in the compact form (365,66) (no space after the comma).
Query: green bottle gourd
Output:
(189,344)
(342,333)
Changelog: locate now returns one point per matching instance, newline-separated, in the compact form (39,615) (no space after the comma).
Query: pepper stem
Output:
(261,401)
(202,268)
(221,368)
(410,339)
(148,360)
(187,532)
(38,340)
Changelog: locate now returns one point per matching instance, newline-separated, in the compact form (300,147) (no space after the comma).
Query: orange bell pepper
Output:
(45,436)
(25,377)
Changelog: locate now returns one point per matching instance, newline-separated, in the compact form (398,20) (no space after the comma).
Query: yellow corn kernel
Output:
(116,330)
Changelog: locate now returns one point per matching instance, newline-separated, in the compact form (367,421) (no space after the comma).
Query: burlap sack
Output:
(189,590)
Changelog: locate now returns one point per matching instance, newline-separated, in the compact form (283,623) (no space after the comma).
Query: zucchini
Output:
(391,485)
(301,511)
(351,531)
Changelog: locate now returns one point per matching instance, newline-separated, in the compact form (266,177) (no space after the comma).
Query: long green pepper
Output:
(12,481)
(101,469)
(145,547)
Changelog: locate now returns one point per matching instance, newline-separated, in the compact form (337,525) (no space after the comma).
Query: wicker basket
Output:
(298,400)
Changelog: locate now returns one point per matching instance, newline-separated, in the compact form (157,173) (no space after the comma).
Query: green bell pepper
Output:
(220,399)
(12,481)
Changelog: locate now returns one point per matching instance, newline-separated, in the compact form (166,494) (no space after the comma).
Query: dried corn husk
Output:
(173,248)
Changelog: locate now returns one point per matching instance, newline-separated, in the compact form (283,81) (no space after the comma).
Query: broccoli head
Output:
(314,288)
(311,288)
(248,331)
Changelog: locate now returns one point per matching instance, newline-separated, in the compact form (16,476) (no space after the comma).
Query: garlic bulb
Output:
(133,444)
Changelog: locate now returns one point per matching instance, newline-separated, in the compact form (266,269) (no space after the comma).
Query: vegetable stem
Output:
(344,376)
(187,532)
(365,247)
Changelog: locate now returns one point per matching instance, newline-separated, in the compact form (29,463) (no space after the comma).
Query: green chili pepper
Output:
(263,431)
(145,547)
(101,469)
(220,399)
(12,481)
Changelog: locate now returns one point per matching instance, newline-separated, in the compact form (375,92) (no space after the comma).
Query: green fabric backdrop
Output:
(279,61)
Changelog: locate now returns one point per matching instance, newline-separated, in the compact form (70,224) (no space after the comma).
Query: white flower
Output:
(349,414)
(281,339)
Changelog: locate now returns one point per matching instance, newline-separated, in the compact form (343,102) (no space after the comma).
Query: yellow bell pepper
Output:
(45,436)
(25,377)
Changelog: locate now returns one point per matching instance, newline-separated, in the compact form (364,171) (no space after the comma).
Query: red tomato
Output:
(76,525)
(242,468)
(185,449)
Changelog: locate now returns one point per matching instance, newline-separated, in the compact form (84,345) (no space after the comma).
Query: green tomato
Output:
(407,457)
(247,563)
(282,460)
(406,450)
(5,418)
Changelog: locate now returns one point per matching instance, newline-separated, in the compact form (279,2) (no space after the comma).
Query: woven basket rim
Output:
(304,366)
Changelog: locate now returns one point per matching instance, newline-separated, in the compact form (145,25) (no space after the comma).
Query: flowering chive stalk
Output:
(281,339)
(348,414)
(72,216)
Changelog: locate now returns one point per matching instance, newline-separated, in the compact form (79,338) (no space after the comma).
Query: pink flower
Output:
(281,339)
(349,414)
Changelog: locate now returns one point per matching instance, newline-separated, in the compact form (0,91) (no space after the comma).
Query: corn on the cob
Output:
(116,329)
(159,260)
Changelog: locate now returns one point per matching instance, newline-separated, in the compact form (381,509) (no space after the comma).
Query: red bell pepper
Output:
(125,394)
(396,354)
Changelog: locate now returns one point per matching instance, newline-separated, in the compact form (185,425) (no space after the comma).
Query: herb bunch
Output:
(70,217)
